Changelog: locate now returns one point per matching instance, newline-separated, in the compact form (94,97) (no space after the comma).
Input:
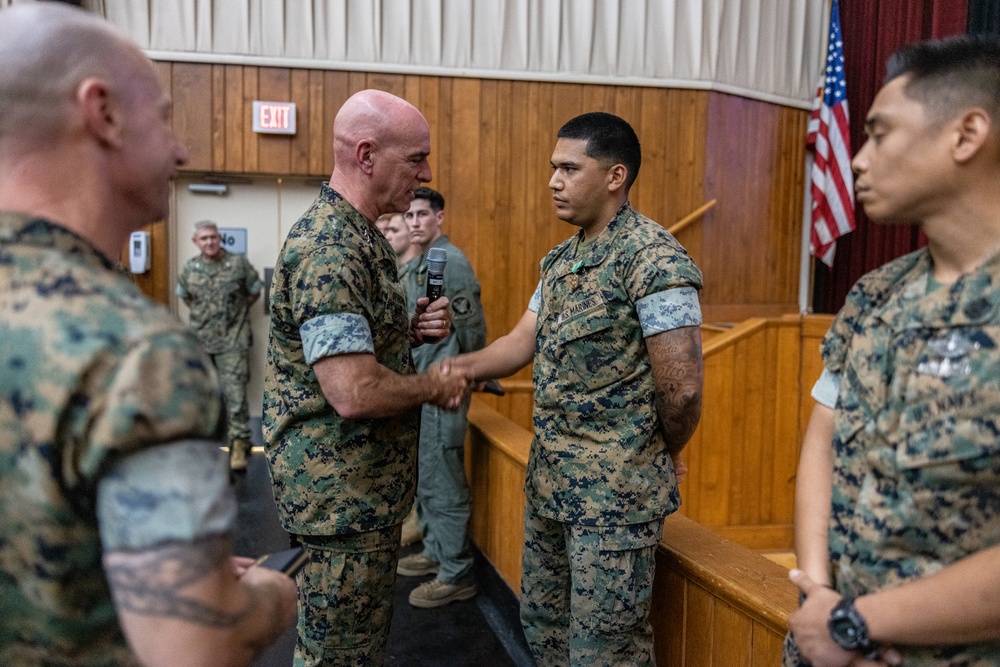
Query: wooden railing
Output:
(758,375)
(716,603)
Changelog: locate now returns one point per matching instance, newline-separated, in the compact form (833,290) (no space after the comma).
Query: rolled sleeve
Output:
(668,309)
(330,335)
(827,388)
(138,506)
(536,299)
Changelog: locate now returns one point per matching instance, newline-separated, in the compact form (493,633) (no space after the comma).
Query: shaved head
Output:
(380,148)
(373,115)
(47,50)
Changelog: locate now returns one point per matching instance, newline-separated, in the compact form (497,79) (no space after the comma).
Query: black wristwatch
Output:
(849,630)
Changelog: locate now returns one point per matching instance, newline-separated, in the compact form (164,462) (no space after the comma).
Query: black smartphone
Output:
(288,561)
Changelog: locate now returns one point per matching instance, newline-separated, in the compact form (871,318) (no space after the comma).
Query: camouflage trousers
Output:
(234,374)
(586,591)
(345,598)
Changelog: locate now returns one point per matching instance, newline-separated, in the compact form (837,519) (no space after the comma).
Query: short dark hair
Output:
(609,139)
(433,197)
(951,74)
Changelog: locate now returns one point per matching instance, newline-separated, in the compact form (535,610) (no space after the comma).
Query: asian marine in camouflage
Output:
(916,483)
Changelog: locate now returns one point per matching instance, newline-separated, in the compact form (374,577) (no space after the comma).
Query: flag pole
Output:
(807,268)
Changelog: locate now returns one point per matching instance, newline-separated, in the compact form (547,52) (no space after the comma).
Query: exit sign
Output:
(274,117)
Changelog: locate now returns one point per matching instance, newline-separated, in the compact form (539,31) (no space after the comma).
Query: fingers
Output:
(803,581)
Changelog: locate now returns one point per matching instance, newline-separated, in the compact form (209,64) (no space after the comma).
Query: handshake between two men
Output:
(450,385)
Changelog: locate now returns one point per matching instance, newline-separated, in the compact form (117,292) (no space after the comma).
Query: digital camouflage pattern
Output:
(234,374)
(442,489)
(916,482)
(92,371)
(217,293)
(609,580)
(598,457)
(346,590)
(335,285)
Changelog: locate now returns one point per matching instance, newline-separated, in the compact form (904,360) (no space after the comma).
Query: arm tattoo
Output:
(152,583)
(675,357)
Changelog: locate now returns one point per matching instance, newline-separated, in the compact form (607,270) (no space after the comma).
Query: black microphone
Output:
(436,259)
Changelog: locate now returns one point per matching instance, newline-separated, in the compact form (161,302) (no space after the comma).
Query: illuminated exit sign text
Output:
(274,117)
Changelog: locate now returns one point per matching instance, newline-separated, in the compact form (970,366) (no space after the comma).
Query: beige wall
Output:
(267,208)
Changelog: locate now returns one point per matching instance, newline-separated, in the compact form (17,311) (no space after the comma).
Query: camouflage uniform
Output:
(443,499)
(93,372)
(218,293)
(916,483)
(335,291)
(600,479)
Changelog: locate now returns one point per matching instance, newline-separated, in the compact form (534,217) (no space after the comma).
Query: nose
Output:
(554,182)
(424,175)
(860,162)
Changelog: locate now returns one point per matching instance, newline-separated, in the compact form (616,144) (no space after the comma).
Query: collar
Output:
(575,259)
(39,232)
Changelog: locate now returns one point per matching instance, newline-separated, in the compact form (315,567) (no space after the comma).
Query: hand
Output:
(812,635)
(451,387)
(431,322)
(680,468)
(277,586)
(241,564)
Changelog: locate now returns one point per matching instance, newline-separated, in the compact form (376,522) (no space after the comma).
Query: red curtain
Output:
(872,30)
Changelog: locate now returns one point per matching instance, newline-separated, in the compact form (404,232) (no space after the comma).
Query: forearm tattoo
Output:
(154,583)
(675,357)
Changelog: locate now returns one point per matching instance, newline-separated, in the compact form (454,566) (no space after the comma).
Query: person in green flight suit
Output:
(443,500)
(219,287)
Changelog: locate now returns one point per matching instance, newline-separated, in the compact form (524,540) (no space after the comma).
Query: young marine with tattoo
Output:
(613,332)
(115,506)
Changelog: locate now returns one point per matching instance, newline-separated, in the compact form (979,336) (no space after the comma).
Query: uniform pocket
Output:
(587,348)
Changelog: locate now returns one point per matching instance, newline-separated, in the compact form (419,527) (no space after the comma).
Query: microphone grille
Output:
(436,259)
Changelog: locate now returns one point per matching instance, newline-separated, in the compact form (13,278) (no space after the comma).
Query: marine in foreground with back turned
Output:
(115,506)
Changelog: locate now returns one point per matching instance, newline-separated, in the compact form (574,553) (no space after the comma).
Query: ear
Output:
(100,111)
(617,175)
(364,153)
(971,132)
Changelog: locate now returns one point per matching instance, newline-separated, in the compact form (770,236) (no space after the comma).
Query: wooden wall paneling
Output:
(748,182)
(234,119)
(424,93)
(496,152)
(218,103)
(301,144)
(316,117)
(710,466)
(390,83)
(192,118)
(251,155)
(155,283)
(789,393)
(337,91)
(274,150)
(699,634)
(667,614)
(732,637)
(767,646)
(745,449)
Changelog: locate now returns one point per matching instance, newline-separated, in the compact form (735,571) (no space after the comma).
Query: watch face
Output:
(844,630)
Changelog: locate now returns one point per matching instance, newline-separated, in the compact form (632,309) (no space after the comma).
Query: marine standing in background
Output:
(443,499)
(219,287)
(116,512)
(341,399)
(613,332)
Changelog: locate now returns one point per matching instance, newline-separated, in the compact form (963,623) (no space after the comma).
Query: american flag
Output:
(829,139)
